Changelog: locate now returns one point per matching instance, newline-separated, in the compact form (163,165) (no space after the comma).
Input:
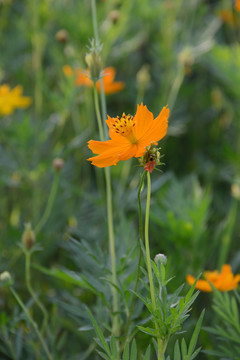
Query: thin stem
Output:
(50,202)
(115,325)
(139,260)
(31,291)
(98,113)
(96,36)
(9,343)
(37,50)
(32,322)
(103,104)
(161,343)
(176,87)
(148,259)
(94,19)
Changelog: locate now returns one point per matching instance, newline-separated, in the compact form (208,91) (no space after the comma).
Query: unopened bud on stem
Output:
(28,237)
(161,258)
(58,164)
(6,279)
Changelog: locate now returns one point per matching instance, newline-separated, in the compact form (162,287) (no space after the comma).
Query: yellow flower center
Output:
(124,126)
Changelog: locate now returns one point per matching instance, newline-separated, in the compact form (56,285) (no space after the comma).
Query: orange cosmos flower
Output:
(108,76)
(223,281)
(130,136)
(237,5)
(229,18)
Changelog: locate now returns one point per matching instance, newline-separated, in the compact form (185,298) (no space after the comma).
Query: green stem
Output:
(161,343)
(31,291)
(9,343)
(176,87)
(96,37)
(37,50)
(50,202)
(103,101)
(148,259)
(98,113)
(139,260)
(32,322)
(115,326)
(94,19)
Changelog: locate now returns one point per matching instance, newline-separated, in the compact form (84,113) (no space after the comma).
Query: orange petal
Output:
(202,285)
(159,127)
(109,74)
(111,88)
(104,161)
(83,79)
(110,153)
(143,120)
(226,269)
(98,147)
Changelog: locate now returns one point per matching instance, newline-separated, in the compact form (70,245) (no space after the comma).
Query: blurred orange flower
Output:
(228,17)
(223,281)
(237,5)
(108,76)
(129,136)
(12,99)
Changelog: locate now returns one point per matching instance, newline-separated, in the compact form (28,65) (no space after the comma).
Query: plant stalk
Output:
(31,291)
(32,322)
(50,202)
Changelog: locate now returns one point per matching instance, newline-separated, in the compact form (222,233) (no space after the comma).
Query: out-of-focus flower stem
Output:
(32,322)
(50,202)
(98,113)
(115,326)
(176,86)
(31,291)
(37,50)
(115,322)
(96,37)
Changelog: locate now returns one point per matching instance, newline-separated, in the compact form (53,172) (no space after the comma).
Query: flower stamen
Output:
(124,126)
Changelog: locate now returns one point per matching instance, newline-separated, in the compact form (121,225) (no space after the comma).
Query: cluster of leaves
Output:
(226,327)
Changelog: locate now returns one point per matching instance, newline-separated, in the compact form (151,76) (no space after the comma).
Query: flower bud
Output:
(62,36)
(150,159)
(235,190)
(28,237)
(93,60)
(186,57)
(161,258)
(58,164)
(114,16)
(143,76)
(6,279)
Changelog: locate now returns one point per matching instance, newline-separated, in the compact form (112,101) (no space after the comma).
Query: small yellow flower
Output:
(12,99)
(223,281)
